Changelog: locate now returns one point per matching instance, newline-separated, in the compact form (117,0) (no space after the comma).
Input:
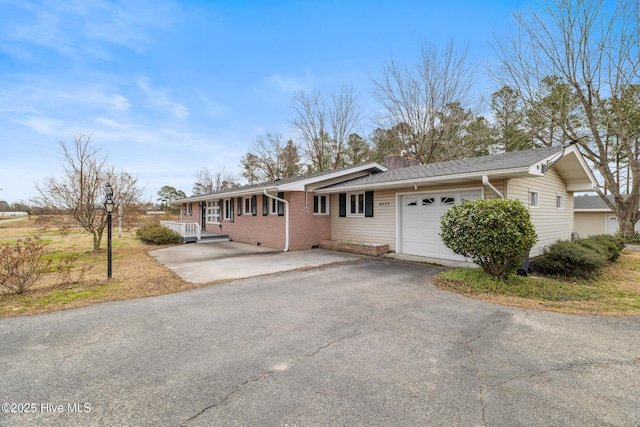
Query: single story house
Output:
(593,216)
(395,207)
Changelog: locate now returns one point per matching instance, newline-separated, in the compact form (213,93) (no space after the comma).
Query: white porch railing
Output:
(184,228)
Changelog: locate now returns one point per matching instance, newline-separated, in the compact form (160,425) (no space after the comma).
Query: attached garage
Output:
(419,225)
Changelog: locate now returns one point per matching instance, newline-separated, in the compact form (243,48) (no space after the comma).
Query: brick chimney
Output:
(394,161)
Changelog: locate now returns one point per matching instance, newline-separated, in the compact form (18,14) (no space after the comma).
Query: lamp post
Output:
(108,208)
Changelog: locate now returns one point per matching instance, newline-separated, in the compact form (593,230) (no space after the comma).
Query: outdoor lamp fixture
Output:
(108,208)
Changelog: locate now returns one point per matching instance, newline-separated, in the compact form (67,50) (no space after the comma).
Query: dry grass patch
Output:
(615,292)
(135,275)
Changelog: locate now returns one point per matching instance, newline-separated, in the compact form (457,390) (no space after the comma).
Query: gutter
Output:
(486,183)
(286,216)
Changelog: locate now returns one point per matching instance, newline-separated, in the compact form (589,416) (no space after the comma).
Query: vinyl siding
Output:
(590,223)
(551,224)
(382,227)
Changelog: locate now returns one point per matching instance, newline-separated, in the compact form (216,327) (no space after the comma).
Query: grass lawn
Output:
(77,277)
(614,292)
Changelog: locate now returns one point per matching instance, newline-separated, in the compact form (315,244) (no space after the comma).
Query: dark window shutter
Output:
(231,209)
(315,204)
(280,205)
(239,206)
(342,204)
(265,205)
(254,205)
(368,203)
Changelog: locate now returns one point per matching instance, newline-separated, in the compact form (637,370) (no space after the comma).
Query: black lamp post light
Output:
(108,208)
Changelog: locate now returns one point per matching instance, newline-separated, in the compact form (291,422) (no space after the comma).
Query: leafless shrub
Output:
(21,263)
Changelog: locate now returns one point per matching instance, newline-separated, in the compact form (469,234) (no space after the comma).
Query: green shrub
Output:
(495,234)
(157,234)
(569,259)
(613,245)
(593,245)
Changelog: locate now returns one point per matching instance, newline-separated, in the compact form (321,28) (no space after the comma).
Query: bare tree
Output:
(325,126)
(271,158)
(80,192)
(209,181)
(414,97)
(591,47)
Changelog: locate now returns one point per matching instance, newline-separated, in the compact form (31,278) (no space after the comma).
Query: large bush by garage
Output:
(495,234)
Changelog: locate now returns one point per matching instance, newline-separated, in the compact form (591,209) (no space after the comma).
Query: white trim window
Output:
(273,206)
(356,204)
(559,202)
(188,209)
(534,199)
(321,204)
(213,211)
(247,206)
(227,209)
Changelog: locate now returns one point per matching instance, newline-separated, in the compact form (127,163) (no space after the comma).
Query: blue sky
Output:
(167,87)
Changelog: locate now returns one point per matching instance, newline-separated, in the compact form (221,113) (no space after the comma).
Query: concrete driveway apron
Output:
(211,262)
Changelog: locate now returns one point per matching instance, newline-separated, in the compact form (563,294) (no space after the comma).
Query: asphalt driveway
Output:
(364,342)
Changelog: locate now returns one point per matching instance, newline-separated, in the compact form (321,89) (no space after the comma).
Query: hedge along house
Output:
(402,207)
(284,214)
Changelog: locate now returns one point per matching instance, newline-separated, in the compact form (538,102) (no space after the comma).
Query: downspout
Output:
(486,183)
(286,216)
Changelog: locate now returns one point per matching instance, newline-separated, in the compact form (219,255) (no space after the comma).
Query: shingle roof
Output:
(275,183)
(591,202)
(511,160)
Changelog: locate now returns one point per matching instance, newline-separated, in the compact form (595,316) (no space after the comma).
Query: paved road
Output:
(367,342)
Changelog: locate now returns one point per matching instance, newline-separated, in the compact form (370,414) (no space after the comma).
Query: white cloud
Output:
(291,83)
(77,28)
(161,99)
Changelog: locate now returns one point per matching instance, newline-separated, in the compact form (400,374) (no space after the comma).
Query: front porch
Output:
(191,231)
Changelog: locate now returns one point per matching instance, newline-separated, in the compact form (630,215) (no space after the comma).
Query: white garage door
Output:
(421,222)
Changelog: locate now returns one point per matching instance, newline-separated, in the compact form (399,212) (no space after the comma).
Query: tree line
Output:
(569,73)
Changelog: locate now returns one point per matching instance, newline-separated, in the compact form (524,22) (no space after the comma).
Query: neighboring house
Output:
(398,206)
(593,216)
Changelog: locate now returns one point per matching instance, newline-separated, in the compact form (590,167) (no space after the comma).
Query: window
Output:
(559,202)
(247,206)
(446,201)
(410,201)
(273,206)
(356,204)
(428,201)
(227,209)
(188,209)
(213,211)
(321,205)
(534,199)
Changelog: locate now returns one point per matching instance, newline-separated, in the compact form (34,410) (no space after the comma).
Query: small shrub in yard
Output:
(569,259)
(21,263)
(495,234)
(157,234)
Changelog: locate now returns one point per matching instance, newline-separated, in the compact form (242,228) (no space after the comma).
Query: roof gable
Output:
(536,162)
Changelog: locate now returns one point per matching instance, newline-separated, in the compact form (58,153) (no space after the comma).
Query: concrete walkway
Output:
(219,261)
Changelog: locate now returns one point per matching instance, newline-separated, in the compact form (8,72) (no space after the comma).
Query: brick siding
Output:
(370,249)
